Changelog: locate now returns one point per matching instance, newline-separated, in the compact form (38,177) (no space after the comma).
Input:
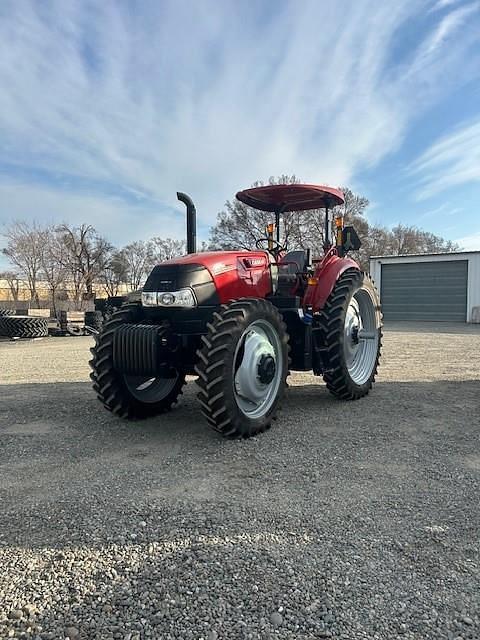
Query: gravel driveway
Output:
(346,520)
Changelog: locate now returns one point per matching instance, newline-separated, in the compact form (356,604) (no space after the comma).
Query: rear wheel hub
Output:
(266,369)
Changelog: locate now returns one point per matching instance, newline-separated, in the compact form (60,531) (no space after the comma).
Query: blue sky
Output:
(108,108)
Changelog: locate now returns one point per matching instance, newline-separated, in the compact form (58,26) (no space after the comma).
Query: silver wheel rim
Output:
(149,390)
(258,342)
(361,337)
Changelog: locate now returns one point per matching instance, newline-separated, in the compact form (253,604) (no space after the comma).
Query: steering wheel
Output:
(275,250)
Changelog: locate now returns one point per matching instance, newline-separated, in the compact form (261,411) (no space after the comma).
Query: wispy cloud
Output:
(470,243)
(442,211)
(451,161)
(444,4)
(448,25)
(207,96)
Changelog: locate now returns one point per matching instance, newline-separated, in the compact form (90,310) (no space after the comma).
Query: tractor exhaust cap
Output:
(191,222)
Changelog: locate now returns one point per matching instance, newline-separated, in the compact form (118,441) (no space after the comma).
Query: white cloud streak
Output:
(444,4)
(448,25)
(451,161)
(443,210)
(207,97)
(470,243)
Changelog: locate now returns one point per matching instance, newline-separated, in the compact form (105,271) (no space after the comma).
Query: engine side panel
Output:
(246,276)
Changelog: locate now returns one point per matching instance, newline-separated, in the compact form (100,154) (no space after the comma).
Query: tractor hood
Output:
(215,277)
(217,262)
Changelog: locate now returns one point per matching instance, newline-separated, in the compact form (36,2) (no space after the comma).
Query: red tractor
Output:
(241,320)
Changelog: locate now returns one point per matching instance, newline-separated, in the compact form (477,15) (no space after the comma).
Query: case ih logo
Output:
(254,262)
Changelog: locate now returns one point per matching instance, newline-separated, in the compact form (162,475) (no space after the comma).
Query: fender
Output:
(326,275)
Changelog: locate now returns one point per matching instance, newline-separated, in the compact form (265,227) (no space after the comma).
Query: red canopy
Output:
(291,197)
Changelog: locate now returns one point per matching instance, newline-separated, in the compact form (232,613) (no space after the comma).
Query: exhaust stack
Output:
(191,221)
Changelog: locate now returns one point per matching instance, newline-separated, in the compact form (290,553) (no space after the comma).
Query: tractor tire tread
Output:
(231,320)
(335,375)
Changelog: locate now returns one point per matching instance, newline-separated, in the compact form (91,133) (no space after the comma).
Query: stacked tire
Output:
(23,327)
(94,320)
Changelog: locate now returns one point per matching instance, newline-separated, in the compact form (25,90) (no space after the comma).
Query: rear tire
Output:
(351,312)
(242,367)
(129,396)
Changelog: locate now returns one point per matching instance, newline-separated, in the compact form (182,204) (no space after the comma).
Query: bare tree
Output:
(404,240)
(375,241)
(85,257)
(114,273)
(53,263)
(24,250)
(162,249)
(138,259)
(13,283)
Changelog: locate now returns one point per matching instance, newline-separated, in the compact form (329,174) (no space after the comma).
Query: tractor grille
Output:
(137,348)
(172,277)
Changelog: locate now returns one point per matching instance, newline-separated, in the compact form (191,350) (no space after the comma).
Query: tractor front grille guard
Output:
(142,350)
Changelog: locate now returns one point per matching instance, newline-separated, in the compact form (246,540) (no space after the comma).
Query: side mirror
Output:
(350,240)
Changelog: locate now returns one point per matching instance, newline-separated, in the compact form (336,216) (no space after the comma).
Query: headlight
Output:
(149,298)
(181,298)
(166,298)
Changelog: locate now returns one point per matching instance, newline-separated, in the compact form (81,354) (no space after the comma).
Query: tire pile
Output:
(12,326)
(94,320)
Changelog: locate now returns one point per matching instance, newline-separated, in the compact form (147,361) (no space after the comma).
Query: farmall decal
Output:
(221,267)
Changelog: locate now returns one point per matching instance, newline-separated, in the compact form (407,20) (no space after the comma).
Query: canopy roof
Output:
(291,197)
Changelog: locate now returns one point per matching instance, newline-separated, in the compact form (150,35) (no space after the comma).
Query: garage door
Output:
(425,291)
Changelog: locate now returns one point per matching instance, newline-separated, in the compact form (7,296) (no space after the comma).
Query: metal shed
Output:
(429,287)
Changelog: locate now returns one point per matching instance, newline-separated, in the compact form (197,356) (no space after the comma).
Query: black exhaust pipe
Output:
(191,222)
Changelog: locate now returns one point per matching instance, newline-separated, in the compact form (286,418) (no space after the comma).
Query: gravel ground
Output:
(346,520)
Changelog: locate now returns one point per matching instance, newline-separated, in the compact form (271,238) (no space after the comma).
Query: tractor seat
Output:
(293,262)
(290,268)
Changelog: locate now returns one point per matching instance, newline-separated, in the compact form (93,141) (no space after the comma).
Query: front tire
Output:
(351,323)
(125,395)
(242,367)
